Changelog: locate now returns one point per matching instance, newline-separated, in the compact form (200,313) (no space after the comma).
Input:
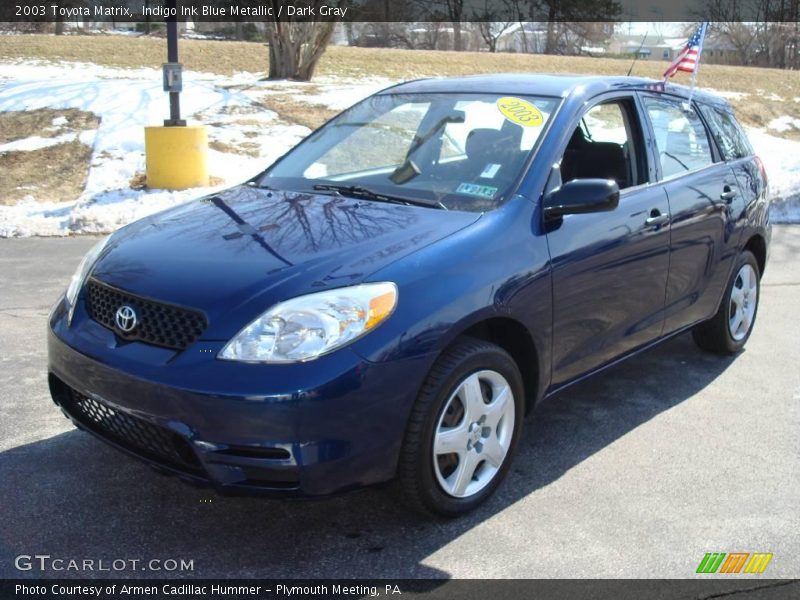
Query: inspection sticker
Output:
(520,111)
(485,191)
(490,171)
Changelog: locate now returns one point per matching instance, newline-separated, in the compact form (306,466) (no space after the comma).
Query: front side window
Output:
(464,151)
(681,137)
(603,146)
(729,135)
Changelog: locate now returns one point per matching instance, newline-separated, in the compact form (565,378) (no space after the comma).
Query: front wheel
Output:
(728,330)
(463,429)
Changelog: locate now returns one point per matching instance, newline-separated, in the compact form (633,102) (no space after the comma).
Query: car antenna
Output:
(638,52)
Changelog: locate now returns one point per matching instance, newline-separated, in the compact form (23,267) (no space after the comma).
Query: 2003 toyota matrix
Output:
(391,297)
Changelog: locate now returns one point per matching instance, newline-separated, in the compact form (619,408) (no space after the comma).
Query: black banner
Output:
(743,587)
(398,10)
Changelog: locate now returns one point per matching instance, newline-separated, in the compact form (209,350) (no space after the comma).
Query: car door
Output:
(609,269)
(702,191)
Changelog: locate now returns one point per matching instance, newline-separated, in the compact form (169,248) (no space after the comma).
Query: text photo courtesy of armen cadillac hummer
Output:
(358,298)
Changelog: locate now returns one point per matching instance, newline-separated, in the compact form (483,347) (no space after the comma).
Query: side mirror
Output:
(581,196)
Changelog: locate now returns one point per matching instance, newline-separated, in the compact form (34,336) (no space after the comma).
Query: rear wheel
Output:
(463,429)
(728,330)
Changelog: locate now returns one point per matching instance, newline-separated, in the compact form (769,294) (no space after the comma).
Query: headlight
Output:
(307,327)
(82,272)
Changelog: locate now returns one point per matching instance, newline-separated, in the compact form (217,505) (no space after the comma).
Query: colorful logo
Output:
(734,562)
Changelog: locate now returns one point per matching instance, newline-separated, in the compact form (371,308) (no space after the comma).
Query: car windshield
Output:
(447,150)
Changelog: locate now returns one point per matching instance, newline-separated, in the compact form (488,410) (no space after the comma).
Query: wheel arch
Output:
(758,246)
(513,337)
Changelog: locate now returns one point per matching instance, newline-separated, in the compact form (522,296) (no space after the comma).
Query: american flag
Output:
(689,56)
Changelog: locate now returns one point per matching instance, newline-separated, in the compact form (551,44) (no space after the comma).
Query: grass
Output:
(52,173)
(248,148)
(293,110)
(23,124)
(226,58)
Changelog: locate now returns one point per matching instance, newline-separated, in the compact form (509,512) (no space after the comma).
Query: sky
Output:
(653,28)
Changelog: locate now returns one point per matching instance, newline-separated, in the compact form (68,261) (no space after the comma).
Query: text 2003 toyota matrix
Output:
(393,296)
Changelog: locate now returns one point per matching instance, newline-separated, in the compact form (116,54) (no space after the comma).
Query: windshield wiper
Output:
(359,191)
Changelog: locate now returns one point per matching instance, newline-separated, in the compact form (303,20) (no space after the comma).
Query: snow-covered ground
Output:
(128,100)
(782,162)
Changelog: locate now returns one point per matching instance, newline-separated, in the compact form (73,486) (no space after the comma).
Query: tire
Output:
(728,331)
(483,444)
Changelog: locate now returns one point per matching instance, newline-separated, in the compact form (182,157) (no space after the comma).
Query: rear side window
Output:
(729,135)
(681,137)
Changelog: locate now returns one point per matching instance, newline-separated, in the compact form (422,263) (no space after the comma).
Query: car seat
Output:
(586,159)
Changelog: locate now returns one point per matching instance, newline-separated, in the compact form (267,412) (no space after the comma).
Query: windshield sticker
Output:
(490,171)
(520,112)
(484,191)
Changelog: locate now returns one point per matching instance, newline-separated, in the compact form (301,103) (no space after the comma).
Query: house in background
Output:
(720,52)
(645,47)
(529,37)
(654,47)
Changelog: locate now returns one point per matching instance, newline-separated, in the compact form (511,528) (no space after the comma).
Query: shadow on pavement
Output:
(71,496)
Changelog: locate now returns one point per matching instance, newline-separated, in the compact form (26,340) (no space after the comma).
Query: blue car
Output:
(392,297)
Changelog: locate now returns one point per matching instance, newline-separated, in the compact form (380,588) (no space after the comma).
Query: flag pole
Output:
(703,29)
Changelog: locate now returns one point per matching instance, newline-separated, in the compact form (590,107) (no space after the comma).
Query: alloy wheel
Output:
(474,433)
(743,303)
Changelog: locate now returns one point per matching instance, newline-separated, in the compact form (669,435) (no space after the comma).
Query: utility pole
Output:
(173,70)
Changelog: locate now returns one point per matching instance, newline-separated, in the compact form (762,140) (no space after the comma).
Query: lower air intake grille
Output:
(142,437)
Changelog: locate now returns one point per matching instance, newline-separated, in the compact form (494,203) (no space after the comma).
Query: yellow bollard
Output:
(176,157)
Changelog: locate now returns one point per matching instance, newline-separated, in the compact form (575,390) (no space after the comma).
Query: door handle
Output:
(656,218)
(728,193)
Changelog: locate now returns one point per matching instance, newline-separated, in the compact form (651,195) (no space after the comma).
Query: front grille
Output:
(157,323)
(139,436)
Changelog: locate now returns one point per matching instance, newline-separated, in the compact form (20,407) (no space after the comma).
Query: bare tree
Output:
(455,14)
(295,47)
(492,24)
(59,22)
(570,23)
(382,34)
(426,35)
(763,32)
(726,18)
(492,31)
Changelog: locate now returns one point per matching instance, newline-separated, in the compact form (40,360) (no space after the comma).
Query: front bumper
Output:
(308,429)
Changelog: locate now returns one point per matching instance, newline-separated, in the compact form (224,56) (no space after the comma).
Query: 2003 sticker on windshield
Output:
(520,111)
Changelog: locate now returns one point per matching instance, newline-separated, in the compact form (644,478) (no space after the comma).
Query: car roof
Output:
(561,85)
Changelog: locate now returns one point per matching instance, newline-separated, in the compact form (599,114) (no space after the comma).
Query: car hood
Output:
(242,250)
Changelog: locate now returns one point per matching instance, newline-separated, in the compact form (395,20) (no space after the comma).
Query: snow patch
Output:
(781,160)
(37,143)
(784,123)
(339,97)
(726,94)
(772,97)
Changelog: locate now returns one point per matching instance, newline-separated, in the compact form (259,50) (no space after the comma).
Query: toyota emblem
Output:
(125,318)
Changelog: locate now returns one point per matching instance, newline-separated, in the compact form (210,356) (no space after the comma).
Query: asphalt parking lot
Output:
(635,473)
